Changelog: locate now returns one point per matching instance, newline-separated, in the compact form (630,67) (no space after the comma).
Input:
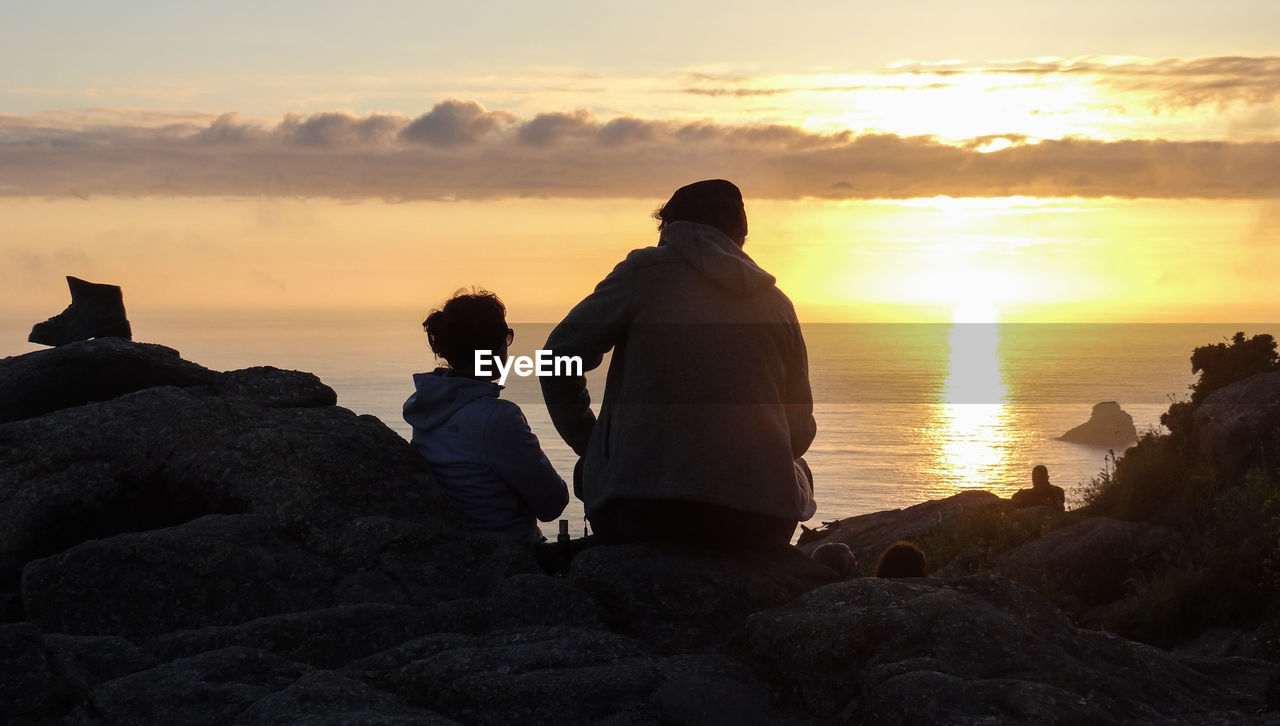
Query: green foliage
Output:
(1160,478)
(1226,572)
(971,541)
(1221,364)
(1144,483)
(1226,569)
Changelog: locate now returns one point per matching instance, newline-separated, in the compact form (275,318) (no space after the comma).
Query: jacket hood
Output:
(439,394)
(716,257)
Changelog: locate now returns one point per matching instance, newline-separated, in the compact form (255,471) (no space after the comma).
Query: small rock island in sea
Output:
(185,546)
(1108,426)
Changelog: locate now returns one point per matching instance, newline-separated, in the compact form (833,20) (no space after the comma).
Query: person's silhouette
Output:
(1041,493)
(902,559)
(478,446)
(707,406)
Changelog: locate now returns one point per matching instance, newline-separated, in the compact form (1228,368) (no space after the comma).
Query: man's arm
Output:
(592,328)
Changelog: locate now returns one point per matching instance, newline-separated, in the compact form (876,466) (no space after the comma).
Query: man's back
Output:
(707,397)
(1038,496)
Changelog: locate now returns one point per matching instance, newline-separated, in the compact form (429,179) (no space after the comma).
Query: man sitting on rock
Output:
(707,407)
(1041,493)
(480,448)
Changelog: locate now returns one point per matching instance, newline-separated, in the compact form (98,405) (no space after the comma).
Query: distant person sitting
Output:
(1041,493)
(479,447)
(902,559)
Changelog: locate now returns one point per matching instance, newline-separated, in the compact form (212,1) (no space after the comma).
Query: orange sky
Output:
(1039,165)
(1031,259)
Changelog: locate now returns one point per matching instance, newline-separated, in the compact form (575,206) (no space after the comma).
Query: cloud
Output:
(1170,82)
(736,92)
(548,128)
(461,150)
(630,131)
(1176,82)
(454,123)
(228,130)
(338,129)
(753,92)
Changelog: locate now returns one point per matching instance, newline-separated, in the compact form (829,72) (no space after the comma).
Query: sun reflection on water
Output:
(970,436)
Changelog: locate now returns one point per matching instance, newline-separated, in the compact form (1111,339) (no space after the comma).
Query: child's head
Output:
(467,322)
(902,559)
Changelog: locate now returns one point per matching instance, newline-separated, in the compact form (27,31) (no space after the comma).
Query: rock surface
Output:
(1098,556)
(183,546)
(1240,417)
(1108,426)
(867,535)
(678,599)
(974,650)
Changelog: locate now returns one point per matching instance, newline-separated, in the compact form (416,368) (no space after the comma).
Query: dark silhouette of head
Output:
(902,559)
(467,322)
(838,557)
(1040,476)
(714,202)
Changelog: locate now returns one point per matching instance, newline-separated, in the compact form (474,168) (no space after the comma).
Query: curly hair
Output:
(467,322)
(902,559)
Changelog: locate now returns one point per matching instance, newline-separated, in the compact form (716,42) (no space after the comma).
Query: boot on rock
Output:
(96,311)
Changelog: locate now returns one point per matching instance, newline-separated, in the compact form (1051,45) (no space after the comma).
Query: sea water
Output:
(905,412)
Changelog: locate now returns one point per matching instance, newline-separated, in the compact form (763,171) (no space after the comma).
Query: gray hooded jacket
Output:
(481,451)
(707,396)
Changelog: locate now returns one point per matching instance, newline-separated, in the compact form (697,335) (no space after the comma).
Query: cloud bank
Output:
(1173,83)
(1176,82)
(460,150)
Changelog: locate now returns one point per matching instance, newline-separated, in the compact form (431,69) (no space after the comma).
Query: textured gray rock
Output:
(337,636)
(190,547)
(31,686)
(324,638)
(416,563)
(328,699)
(712,690)
(975,650)
(680,598)
(1095,558)
(1233,422)
(163,456)
(273,388)
(868,534)
(215,570)
(205,690)
(92,370)
(532,675)
(90,660)
(1109,426)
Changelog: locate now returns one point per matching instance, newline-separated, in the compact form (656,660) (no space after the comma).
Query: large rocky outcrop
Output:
(258,441)
(974,650)
(1235,421)
(1109,426)
(678,599)
(1093,559)
(183,546)
(867,535)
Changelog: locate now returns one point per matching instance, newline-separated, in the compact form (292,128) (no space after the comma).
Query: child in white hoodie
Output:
(478,446)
